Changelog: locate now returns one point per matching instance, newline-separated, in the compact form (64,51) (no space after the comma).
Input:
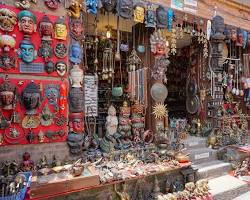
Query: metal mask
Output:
(49,67)
(76,77)
(76,100)
(52,94)
(46,28)
(75,142)
(60,50)
(76,29)
(139,14)
(7,95)
(27,50)
(218,27)
(61,68)
(52,4)
(124,8)
(31,98)
(8,20)
(60,29)
(26,22)
(150,20)
(45,50)
(76,122)
(91,6)
(75,53)
(161,16)
(109,5)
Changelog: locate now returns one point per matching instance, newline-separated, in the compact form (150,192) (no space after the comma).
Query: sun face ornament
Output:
(159,110)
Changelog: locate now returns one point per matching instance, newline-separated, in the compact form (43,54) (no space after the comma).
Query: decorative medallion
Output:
(159,110)
(46,116)
(60,50)
(8,19)
(45,50)
(31,121)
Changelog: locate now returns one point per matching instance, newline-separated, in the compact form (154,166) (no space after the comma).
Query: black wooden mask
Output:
(161,16)
(109,5)
(124,8)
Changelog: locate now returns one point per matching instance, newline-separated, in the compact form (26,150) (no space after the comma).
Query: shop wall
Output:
(60,149)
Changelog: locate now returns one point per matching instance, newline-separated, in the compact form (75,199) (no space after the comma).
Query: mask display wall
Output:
(35,109)
(28,43)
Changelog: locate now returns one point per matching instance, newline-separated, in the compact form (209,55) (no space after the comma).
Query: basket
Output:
(21,194)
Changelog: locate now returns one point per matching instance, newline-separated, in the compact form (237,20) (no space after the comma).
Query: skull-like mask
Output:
(8,19)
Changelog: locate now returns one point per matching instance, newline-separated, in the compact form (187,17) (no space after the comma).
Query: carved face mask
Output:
(7,42)
(76,122)
(60,29)
(233,34)
(61,68)
(75,54)
(76,29)
(161,16)
(27,51)
(46,28)
(8,19)
(75,142)
(52,94)
(109,5)
(52,4)
(239,37)
(139,14)
(91,6)
(245,39)
(26,22)
(31,98)
(45,50)
(76,100)
(49,67)
(124,8)
(7,95)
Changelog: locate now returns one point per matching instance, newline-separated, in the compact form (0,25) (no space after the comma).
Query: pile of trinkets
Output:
(198,190)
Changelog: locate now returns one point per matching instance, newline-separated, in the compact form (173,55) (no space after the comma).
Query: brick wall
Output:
(15,152)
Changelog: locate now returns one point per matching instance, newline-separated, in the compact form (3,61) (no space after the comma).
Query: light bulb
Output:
(167,43)
(108,34)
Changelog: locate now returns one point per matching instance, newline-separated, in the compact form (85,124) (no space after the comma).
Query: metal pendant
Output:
(31,121)
(46,116)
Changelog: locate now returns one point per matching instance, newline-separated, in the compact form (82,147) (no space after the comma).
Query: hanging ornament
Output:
(133,61)
(159,110)
(159,44)
(150,18)
(170,15)
(139,13)
(173,42)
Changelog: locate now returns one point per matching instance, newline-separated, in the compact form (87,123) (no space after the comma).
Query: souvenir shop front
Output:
(97,98)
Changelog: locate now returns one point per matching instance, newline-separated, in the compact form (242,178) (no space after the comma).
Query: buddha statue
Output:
(31,98)
(46,28)
(60,29)
(76,77)
(7,95)
(76,100)
(27,22)
(75,53)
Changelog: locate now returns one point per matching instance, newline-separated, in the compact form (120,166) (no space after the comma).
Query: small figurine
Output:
(27,50)
(43,163)
(24,4)
(60,29)
(7,95)
(26,22)
(75,53)
(111,121)
(75,9)
(27,164)
(8,19)
(76,77)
